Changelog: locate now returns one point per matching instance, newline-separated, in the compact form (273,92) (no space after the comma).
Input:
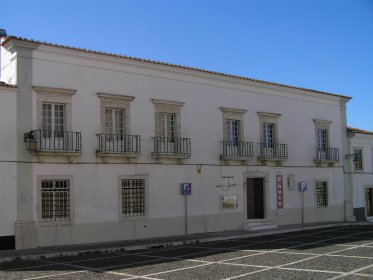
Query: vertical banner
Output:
(279,191)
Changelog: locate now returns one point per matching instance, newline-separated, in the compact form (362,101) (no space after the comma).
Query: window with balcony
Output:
(54,133)
(115,137)
(269,148)
(324,153)
(167,140)
(233,146)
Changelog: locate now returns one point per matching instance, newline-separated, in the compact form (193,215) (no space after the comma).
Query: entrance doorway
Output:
(369,201)
(255,198)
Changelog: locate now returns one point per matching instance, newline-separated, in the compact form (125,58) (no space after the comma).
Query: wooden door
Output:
(369,201)
(255,198)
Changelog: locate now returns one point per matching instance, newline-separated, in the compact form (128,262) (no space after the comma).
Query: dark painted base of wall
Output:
(7,242)
(359,214)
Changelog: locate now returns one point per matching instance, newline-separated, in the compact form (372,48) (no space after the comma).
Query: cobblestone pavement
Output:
(328,253)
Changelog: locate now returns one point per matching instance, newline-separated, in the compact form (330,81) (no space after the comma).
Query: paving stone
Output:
(367,271)
(114,261)
(24,273)
(356,277)
(87,275)
(270,259)
(213,272)
(315,249)
(306,239)
(287,275)
(347,241)
(226,244)
(221,256)
(360,252)
(332,263)
(267,246)
(155,267)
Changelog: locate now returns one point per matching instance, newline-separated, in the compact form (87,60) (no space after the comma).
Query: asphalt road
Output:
(328,253)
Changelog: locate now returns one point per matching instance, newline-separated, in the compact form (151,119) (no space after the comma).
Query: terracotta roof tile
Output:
(358,130)
(171,65)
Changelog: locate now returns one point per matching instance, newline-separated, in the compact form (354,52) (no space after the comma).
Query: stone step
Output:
(258,224)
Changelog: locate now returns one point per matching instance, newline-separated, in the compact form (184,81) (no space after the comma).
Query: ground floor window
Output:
(321,194)
(55,198)
(133,197)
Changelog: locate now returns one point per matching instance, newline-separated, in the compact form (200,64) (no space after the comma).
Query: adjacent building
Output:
(98,147)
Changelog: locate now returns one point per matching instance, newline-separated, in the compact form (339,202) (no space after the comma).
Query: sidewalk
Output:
(71,250)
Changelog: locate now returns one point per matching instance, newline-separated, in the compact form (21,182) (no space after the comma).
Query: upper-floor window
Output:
(115,121)
(269,134)
(322,139)
(53,119)
(233,131)
(167,126)
(358,159)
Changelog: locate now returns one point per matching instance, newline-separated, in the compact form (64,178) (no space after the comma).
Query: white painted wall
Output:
(8,172)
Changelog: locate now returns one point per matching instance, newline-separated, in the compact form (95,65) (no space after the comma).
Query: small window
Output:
(321,194)
(358,159)
(268,134)
(232,132)
(322,139)
(55,200)
(133,197)
(167,124)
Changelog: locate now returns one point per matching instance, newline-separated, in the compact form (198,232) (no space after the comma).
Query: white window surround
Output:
(322,125)
(54,96)
(115,101)
(39,180)
(232,114)
(268,118)
(133,177)
(168,107)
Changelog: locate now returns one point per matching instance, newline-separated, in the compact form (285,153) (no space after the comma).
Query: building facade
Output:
(100,147)
(361,172)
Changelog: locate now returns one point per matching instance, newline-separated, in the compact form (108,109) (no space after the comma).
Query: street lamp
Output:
(30,141)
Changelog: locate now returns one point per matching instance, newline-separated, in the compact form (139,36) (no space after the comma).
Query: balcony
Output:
(237,150)
(171,147)
(274,152)
(53,142)
(327,155)
(118,145)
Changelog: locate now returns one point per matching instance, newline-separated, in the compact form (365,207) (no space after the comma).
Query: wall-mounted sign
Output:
(186,188)
(280,191)
(229,201)
(302,186)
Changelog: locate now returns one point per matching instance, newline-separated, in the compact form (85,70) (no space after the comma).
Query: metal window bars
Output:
(118,143)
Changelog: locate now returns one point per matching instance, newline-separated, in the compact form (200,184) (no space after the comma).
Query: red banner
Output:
(279,191)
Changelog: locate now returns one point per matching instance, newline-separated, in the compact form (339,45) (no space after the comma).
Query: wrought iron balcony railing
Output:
(327,154)
(171,147)
(118,144)
(237,150)
(273,151)
(53,141)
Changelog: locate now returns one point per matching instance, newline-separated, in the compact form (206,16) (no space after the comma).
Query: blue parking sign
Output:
(302,186)
(186,188)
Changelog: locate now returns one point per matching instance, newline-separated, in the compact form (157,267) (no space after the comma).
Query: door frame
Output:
(365,201)
(261,175)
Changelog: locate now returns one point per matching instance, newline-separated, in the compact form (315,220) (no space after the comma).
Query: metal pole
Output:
(186,214)
(302,208)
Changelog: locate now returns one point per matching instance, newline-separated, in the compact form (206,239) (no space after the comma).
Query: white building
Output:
(361,172)
(111,139)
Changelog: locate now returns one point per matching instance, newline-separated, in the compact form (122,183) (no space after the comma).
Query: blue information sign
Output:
(302,186)
(186,188)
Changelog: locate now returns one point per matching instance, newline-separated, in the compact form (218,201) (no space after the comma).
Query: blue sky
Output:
(320,44)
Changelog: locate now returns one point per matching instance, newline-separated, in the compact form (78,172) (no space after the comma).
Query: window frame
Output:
(120,198)
(233,114)
(40,179)
(359,157)
(167,107)
(268,119)
(115,102)
(325,126)
(56,96)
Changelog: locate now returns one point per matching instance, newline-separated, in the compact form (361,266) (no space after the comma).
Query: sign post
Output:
(186,189)
(302,187)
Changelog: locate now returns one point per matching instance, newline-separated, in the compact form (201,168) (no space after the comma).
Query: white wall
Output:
(8,174)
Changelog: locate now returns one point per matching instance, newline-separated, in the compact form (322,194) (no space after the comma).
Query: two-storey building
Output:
(360,171)
(105,147)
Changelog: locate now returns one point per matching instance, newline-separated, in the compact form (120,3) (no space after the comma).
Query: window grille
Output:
(55,200)
(321,194)
(133,197)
